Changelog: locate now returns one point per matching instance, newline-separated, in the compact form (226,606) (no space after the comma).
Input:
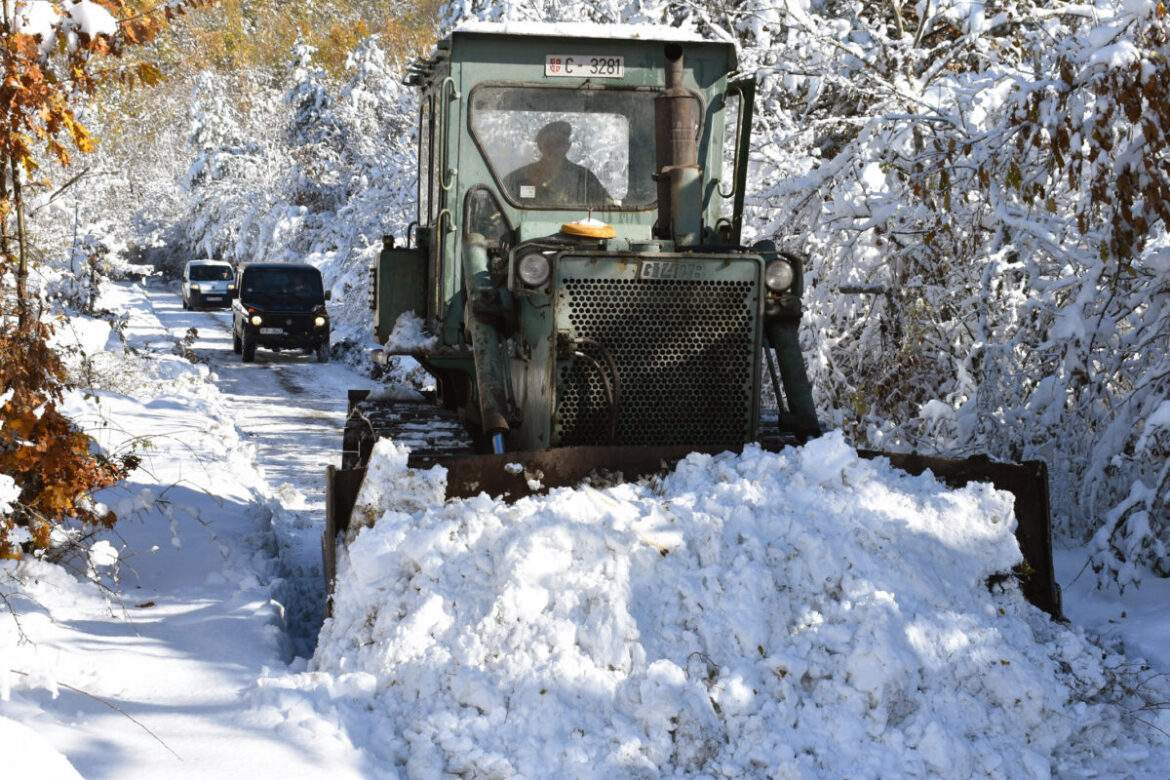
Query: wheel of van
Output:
(323,352)
(237,345)
(248,347)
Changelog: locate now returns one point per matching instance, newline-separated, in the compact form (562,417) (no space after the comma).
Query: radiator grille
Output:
(684,351)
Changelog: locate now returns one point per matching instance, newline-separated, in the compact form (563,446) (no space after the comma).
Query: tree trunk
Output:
(22,303)
(3,199)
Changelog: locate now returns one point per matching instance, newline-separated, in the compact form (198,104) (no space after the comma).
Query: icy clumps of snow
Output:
(1120,55)
(89,18)
(102,554)
(9,492)
(409,334)
(44,19)
(38,18)
(392,491)
(808,613)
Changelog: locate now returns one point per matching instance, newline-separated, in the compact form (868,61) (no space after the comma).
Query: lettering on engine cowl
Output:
(670,269)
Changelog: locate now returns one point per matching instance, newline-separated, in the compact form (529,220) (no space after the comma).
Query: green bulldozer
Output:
(577,272)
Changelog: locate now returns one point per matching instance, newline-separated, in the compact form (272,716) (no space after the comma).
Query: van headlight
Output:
(779,276)
(194,287)
(319,322)
(256,319)
(533,269)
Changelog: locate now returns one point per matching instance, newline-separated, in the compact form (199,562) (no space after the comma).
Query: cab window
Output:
(550,147)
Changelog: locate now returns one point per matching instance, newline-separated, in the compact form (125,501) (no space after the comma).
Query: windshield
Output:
(210,273)
(302,285)
(568,148)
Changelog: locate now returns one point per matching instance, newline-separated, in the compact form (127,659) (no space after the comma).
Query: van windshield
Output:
(210,273)
(553,147)
(289,284)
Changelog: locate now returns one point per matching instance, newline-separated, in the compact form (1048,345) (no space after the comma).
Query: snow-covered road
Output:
(292,409)
(220,570)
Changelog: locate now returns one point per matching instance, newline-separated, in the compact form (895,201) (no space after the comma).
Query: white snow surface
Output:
(804,614)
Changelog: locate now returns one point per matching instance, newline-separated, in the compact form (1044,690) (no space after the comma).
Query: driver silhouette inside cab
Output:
(554,180)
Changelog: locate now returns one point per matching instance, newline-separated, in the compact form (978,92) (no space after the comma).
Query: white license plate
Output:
(271,331)
(584,66)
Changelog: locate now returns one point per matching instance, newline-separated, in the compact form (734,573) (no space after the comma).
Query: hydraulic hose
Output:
(612,382)
(482,295)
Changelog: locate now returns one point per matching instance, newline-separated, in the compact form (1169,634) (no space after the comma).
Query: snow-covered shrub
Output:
(994,180)
(237,169)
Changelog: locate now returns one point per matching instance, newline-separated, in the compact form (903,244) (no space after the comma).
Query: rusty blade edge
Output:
(514,475)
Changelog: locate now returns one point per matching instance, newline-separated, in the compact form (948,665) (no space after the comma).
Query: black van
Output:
(280,306)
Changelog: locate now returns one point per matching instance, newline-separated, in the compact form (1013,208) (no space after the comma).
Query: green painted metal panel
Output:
(401,284)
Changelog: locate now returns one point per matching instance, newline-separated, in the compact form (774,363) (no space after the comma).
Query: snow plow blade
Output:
(518,474)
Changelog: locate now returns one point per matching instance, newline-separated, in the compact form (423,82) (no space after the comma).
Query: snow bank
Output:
(799,614)
(28,754)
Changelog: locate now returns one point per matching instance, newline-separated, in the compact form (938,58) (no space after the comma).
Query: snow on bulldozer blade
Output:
(515,475)
(808,613)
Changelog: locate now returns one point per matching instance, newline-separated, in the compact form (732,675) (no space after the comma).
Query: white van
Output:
(208,283)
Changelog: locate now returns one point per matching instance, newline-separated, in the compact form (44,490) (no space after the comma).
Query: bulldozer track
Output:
(429,430)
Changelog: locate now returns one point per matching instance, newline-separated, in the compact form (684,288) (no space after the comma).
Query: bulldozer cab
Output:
(520,135)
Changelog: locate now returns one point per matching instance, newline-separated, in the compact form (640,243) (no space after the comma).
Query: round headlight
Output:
(533,269)
(778,276)
(256,319)
(319,322)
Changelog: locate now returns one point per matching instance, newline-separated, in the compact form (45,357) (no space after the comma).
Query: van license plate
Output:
(271,331)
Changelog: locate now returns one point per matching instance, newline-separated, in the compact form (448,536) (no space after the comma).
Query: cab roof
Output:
(423,69)
(283,266)
(582,30)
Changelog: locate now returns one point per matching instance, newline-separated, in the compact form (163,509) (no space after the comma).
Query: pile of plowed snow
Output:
(808,613)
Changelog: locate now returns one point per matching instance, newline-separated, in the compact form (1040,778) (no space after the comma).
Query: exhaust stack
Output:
(676,129)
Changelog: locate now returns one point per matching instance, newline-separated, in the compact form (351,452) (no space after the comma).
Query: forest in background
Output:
(994,174)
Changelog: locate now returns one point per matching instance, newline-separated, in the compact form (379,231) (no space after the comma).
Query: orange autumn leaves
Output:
(45,79)
(56,55)
(42,450)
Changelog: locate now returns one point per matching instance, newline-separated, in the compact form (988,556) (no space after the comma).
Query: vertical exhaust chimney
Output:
(676,129)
